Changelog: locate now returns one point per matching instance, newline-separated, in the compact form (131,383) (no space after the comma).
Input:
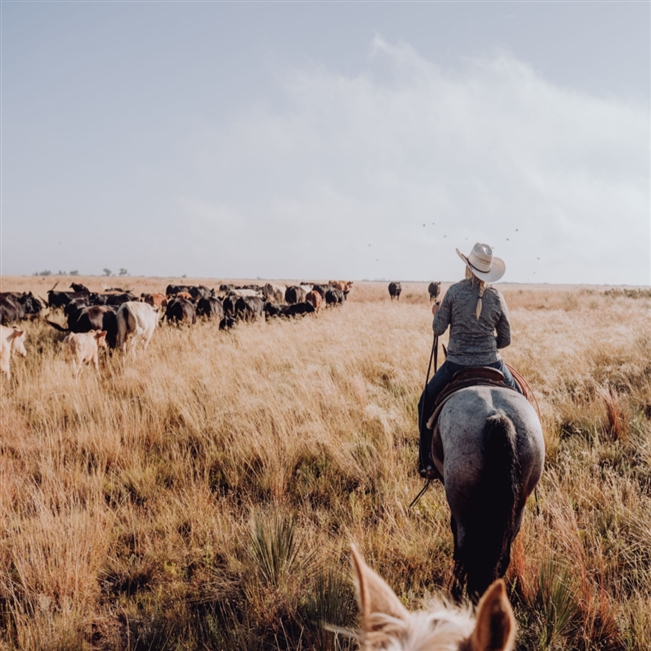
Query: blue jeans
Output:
(441,379)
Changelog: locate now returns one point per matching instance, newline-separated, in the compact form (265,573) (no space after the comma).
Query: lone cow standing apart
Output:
(395,290)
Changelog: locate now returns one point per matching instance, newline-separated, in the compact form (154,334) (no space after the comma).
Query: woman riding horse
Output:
(489,448)
(479,327)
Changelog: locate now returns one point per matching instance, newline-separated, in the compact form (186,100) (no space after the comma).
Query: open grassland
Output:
(203,495)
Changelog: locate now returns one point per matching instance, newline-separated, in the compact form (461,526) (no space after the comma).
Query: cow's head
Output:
(17,338)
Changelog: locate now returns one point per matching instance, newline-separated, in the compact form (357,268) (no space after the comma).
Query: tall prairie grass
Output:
(203,494)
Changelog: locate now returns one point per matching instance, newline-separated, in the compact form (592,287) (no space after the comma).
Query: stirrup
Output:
(429,472)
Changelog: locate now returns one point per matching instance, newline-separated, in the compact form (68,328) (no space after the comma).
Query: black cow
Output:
(395,290)
(334,297)
(181,310)
(112,299)
(97,317)
(15,306)
(249,308)
(175,289)
(294,294)
(201,292)
(434,289)
(76,304)
(229,305)
(78,287)
(211,308)
(321,289)
(85,318)
(61,299)
(298,309)
(195,291)
(273,309)
(226,323)
(30,303)
(11,309)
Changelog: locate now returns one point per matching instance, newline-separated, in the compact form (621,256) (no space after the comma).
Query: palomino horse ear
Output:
(495,628)
(374,595)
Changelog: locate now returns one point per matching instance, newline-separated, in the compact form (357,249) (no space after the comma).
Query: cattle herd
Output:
(117,319)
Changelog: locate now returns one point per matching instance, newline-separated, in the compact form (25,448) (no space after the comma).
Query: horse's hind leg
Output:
(459,580)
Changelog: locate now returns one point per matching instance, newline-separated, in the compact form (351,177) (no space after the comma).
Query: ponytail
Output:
(482,288)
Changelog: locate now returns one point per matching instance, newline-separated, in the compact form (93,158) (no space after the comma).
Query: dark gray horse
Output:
(489,449)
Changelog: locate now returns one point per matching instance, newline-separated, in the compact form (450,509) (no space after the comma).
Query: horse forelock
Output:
(440,628)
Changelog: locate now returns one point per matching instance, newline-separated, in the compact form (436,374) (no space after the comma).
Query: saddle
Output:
(471,377)
(467,377)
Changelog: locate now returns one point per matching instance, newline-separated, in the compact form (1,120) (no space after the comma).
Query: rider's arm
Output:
(442,317)
(503,326)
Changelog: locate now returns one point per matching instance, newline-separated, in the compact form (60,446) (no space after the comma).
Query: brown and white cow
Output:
(11,340)
(159,301)
(83,348)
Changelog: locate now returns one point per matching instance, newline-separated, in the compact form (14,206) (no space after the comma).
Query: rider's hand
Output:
(435,307)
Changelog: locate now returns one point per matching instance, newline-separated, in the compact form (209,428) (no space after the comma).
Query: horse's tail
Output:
(495,519)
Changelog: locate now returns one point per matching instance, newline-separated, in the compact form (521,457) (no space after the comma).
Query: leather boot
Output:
(426,467)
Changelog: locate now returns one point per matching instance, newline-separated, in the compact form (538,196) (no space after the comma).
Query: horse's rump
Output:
(489,448)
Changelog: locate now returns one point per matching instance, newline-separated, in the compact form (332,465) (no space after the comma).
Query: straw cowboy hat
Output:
(483,264)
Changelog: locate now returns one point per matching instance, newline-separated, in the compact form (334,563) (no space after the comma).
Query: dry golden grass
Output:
(204,495)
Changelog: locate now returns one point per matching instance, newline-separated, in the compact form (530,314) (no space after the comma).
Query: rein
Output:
(434,355)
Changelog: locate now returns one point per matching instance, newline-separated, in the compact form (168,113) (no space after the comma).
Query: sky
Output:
(317,140)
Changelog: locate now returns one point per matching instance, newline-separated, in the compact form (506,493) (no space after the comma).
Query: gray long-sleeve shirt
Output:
(473,342)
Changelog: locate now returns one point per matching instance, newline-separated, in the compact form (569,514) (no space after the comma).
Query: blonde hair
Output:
(482,288)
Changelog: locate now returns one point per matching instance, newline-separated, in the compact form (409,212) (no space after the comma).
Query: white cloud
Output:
(302,189)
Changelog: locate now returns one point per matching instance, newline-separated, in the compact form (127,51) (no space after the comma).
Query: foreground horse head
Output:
(387,625)
(489,449)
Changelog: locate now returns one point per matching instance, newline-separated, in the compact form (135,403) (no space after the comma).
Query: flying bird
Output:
(507,239)
(424,224)
(516,230)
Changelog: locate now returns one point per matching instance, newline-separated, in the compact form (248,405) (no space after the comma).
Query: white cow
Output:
(83,348)
(246,293)
(11,339)
(138,320)
(274,293)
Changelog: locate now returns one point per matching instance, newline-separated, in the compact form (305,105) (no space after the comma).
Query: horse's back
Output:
(462,430)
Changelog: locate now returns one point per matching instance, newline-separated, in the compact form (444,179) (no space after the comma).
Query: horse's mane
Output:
(441,627)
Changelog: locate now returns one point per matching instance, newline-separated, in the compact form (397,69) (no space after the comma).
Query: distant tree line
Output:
(75,272)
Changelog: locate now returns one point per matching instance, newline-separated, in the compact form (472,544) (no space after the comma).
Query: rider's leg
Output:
(508,378)
(441,379)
